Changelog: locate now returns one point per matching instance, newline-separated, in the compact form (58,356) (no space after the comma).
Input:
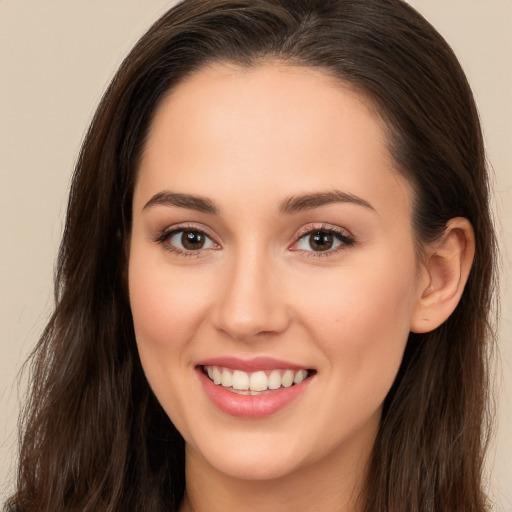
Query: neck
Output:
(332,484)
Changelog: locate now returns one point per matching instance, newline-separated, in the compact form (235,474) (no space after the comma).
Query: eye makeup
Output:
(312,240)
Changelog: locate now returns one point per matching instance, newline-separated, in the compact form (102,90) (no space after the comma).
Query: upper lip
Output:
(251,365)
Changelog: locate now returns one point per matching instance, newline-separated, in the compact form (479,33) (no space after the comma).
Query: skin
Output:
(247,140)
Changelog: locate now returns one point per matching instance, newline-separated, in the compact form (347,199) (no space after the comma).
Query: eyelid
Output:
(163,236)
(343,235)
(323,226)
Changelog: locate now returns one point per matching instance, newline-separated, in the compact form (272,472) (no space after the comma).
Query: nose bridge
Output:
(251,301)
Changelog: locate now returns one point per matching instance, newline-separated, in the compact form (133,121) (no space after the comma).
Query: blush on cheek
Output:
(164,302)
(157,322)
(360,318)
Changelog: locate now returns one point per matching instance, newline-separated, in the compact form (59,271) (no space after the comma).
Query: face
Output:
(272,269)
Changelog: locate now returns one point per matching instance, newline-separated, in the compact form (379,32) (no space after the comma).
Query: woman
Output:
(274,282)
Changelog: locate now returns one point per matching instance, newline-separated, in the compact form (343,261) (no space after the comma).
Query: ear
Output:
(444,273)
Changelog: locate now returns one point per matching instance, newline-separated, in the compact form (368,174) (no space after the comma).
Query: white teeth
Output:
(217,377)
(287,378)
(227,378)
(274,380)
(256,382)
(300,376)
(240,380)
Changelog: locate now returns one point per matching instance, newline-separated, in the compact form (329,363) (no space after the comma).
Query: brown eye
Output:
(192,240)
(321,241)
(188,240)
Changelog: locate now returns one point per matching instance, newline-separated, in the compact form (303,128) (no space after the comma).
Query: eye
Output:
(322,240)
(186,240)
(191,240)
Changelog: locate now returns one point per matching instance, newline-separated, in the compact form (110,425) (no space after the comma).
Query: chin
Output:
(256,470)
(253,460)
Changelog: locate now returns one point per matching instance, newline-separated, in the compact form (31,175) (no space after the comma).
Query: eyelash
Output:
(341,236)
(345,240)
(164,237)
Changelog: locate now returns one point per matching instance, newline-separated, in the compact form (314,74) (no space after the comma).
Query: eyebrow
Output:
(303,202)
(191,202)
(289,206)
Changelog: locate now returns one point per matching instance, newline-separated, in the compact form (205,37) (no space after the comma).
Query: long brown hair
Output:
(93,436)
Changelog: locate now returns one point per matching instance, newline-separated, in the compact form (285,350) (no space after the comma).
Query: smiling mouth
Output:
(255,383)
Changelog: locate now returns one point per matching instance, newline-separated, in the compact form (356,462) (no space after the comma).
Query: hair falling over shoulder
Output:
(93,436)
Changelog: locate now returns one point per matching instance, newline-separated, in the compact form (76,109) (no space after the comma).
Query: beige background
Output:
(56,57)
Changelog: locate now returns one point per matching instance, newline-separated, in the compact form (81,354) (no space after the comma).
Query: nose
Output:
(251,301)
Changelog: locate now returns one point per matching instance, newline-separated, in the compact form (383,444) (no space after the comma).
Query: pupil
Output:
(321,241)
(192,240)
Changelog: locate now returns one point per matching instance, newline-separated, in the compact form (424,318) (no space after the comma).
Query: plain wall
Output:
(56,58)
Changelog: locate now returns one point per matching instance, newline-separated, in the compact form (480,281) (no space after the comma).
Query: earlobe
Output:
(445,272)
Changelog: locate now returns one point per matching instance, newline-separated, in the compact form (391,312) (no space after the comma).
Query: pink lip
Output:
(250,406)
(250,365)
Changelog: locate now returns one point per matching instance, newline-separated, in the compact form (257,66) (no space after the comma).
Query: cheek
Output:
(361,319)
(164,304)
(167,311)
(361,324)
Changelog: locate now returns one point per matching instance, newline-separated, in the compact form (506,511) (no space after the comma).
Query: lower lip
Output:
(251,406)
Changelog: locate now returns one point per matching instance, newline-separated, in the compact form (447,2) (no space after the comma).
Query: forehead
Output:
(290,129)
